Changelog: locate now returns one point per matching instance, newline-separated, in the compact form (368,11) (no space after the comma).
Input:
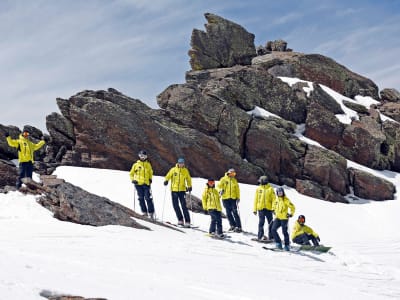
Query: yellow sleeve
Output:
(169,174)
(292,208)
(255,201)
(204,199)
(38,145)
(188,179)
(132,172)
(12,143)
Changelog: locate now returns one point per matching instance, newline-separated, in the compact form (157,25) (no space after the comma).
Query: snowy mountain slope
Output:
(39,252)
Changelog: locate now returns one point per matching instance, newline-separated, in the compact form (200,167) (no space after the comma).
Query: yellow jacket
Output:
(230,187)
(264,197)
(210,199)
(142,172)
(180,179)
(299,229)
(25,147)
(281,207)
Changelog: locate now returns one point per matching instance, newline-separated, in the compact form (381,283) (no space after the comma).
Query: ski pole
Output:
(134,199)
(152,201)
(191,206)
(165,195)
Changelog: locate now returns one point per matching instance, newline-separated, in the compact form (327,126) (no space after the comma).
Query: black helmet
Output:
(301,219)
(280,191)
(210,182)
(142,154)
(263,180)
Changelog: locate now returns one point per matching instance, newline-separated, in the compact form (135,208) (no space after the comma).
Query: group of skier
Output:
(268,204)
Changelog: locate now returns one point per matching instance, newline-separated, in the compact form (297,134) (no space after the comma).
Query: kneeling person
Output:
(303,234)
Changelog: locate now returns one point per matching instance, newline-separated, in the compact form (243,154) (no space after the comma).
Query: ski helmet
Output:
(231,172)
(211,182)
(280,192)
(263,180)
(301,219)
(181,160)
(142,154)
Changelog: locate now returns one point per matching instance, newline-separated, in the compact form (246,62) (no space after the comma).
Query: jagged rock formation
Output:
(212,121)
(211,49)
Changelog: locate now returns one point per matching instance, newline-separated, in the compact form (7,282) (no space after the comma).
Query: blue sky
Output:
(53,49)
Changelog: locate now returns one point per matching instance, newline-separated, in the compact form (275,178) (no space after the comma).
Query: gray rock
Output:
(390,95)
(224,44)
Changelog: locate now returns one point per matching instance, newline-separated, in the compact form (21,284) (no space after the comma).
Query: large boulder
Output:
(224,44)
(390,95)
(8,173)
(371,187)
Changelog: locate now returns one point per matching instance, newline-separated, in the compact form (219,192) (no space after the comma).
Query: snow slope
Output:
(37,252)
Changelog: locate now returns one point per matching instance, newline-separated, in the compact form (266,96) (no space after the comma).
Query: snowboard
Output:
(320,248)
(262,241)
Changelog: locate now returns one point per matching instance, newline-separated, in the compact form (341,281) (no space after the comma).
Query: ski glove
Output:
(289,215)
(6,134)
(134,182)
(189,189)
(318,239)
(166,182)
(255,213)
(206,212)
(150,181)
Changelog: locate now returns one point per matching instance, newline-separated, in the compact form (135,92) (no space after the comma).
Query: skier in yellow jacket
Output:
(263,201)
(141,175)
(181,182)
(26,148)
(302,234)
(229,190)
(281,208)
(212,206)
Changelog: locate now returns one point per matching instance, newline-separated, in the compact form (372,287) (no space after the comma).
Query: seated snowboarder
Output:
(303,234)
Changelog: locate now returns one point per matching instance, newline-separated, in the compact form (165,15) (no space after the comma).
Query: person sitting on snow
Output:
(302,234)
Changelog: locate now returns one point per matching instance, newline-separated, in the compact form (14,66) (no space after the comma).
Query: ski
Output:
(262,241)
(279,250)
(182,226)
(213,236)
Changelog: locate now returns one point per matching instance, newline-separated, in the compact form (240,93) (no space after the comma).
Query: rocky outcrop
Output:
(390,95)
(8,173)
(371,187)
(229,113)
(319,69)
(224,44)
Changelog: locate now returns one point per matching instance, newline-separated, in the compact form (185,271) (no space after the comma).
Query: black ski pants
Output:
(145,198)
(180,198)
(262,214)
(304,239)
(216,221)
(275,226)
(232,212)
(25,171)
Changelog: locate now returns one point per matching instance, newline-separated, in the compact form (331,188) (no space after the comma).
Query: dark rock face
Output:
(319,69)
(224,44)
(8,173)
(370,187)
